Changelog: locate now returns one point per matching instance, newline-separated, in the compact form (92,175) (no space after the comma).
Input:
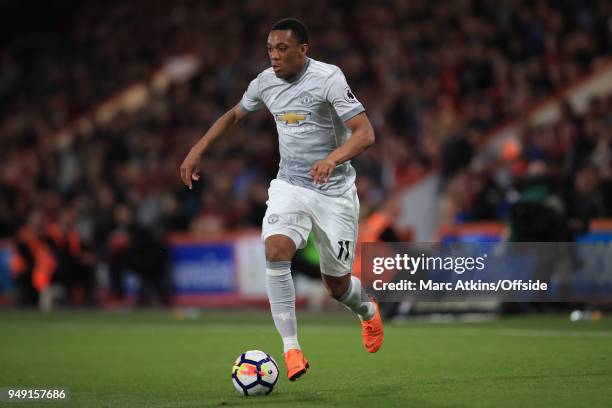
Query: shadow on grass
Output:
(374,396)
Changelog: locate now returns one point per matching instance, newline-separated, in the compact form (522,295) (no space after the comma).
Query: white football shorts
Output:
(294,211)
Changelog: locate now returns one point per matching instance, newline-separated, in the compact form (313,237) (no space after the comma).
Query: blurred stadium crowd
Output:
(435,77)
(562,173)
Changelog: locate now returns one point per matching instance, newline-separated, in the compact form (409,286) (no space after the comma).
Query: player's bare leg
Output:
(281,294)
(348,291)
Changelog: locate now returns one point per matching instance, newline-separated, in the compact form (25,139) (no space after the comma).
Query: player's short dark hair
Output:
(299,30)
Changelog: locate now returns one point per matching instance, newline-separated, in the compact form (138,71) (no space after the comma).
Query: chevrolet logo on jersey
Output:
(292,118)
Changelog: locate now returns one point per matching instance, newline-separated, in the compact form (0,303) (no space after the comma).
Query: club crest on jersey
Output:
(292,118)
(349,96)
(305,99)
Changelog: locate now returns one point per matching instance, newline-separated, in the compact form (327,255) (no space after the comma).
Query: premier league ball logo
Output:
(349,96)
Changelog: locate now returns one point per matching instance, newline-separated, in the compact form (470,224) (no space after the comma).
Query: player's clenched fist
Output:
(190,169)
(322,170)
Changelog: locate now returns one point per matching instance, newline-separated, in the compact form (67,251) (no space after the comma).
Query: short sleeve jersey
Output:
(310,112)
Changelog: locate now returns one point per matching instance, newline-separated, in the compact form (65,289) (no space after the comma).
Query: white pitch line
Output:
(435,330)
(514,332)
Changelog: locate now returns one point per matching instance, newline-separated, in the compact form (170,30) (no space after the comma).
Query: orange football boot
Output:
(372,331)
(296,364)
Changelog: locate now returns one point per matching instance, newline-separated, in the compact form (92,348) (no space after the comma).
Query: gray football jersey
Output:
(309,111)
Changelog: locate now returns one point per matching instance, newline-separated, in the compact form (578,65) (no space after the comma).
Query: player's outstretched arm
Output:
(190,168)
(361,138)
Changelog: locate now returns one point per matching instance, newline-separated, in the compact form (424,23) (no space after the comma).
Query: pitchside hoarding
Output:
(235,269)
(224,272)
(6,281)
(204,268)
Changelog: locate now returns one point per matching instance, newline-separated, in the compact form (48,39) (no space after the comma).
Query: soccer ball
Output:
(254,373)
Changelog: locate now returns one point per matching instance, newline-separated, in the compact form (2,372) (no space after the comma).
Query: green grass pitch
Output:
(152,359)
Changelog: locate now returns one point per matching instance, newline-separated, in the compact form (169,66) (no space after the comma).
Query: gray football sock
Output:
(356,300)
(281,294)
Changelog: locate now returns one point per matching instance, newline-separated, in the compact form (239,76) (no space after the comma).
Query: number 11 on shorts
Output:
(343,251)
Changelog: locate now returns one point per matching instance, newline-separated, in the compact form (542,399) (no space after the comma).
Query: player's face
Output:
(286,55)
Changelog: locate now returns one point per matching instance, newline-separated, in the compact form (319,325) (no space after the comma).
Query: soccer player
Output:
(321,126)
